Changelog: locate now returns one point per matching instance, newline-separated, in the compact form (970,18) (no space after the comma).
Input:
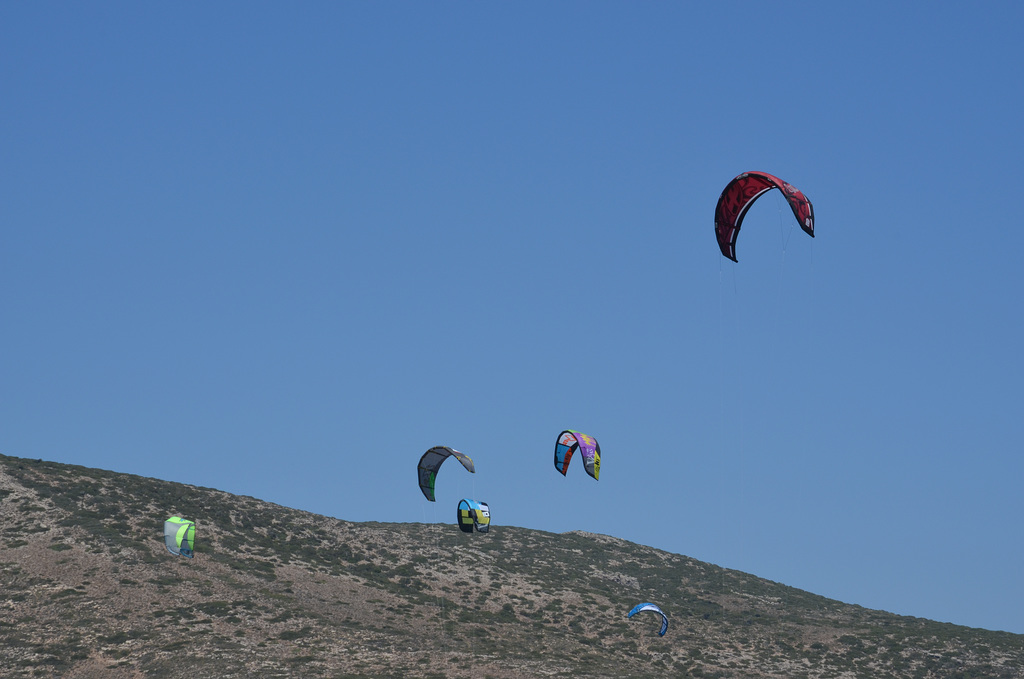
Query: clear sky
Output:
(282,249)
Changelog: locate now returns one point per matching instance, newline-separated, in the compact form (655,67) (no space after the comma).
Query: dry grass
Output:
(90,591)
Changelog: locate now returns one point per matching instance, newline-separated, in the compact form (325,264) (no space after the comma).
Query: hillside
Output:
(90,591)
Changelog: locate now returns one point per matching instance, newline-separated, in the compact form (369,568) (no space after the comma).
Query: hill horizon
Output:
(273,591)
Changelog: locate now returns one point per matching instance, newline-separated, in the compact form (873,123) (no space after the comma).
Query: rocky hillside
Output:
(88,590)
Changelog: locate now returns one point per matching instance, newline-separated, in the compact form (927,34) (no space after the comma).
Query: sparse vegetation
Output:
(89,588)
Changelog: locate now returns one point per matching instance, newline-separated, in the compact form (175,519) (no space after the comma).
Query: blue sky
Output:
(282,250)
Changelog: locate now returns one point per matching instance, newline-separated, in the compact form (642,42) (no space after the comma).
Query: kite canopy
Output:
(741,193)
(569,442)
(431,462)
(473,514)
(180,536)
(651,607)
